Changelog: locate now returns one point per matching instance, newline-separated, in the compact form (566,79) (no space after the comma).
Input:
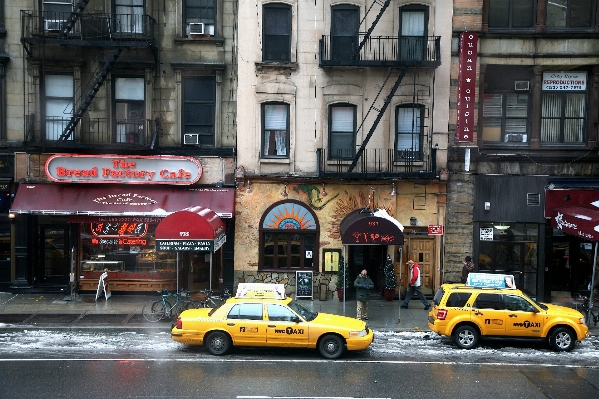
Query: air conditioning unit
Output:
(521,85)
(515,138)
(54,25)
(195,29)
(191,139)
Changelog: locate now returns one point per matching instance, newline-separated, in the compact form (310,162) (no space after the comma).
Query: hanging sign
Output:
(466,87)
(435,230)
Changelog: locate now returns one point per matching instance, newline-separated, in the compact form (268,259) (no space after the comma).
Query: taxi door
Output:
(282,330)
(246,325)
(522,318)
(489,314)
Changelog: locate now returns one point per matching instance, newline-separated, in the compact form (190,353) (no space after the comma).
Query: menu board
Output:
(303,286)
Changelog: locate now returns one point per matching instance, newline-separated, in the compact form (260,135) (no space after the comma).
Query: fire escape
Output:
(398,54)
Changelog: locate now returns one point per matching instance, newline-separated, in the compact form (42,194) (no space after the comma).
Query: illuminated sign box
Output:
(488,280)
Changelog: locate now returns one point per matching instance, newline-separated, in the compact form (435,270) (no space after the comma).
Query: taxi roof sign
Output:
(260,290)
(489,280)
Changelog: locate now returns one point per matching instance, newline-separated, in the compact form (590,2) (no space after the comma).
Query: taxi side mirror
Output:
(295,319)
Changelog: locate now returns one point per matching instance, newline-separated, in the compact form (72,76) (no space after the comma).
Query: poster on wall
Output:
(303,285)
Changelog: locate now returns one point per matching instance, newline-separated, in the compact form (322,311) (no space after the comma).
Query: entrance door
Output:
(54,267)
(369,257)
(199,272)
(420,250)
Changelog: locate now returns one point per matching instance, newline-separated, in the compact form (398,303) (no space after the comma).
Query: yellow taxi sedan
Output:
(268,322)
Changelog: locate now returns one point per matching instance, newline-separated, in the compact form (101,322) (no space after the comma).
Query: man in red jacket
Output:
(414,286)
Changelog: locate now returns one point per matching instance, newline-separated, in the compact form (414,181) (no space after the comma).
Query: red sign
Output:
(466,87)
(574,212)
(435,230)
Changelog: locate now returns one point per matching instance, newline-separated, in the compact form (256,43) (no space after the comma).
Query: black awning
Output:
(363,227)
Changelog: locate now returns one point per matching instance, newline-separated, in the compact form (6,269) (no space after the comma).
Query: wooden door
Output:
(421,250)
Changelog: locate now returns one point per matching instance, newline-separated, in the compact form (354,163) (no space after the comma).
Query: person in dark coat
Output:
(363,285)
(467,269)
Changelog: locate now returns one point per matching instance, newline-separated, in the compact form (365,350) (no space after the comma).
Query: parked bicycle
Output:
(588,313)
(211,300)
(170,304)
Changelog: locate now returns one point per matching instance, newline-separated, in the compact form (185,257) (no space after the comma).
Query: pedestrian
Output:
(467,269)
(414,286)
(363,285)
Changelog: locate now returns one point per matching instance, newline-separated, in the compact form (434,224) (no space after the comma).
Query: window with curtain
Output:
(56,13)
(129,16)
(276,34)
(275,130)
(199,11)
(505,117)
(563,117)
(511,14)
(409,132)
(574,14)
(345,21)
(129,105)
(199,102)
(59,104)
(413,33)
(342,131)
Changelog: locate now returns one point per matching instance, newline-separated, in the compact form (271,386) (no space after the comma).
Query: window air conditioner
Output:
(191,139)
(515,137)
(54,25)
(521,85)
(195,29)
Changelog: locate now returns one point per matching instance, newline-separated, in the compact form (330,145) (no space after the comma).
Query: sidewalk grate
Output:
(53,318)
(13,318)
(103,319)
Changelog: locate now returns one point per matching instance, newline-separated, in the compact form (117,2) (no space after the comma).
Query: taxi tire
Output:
(218,343)
(331,346)
(562,339)
(466,337)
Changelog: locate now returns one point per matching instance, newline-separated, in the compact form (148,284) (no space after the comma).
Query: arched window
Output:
(289,237)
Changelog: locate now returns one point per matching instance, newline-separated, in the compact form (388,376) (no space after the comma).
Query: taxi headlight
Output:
(357,334)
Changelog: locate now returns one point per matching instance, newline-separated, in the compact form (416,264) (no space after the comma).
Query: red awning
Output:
(119,200)
(362,227)
(197,223)
(574,212)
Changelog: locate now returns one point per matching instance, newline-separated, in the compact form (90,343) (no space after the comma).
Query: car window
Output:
(300,309)
(246,311)
(438,296)
(458,299)
(489,301)
(513,302)
(279,313)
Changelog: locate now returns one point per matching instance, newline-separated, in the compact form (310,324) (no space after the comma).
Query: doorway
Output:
(53,268)
(369,257)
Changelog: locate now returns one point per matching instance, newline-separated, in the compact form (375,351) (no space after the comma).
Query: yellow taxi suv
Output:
(490,306)
(261,315)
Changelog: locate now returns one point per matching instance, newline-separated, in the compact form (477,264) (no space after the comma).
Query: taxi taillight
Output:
(441,314)
(179,323)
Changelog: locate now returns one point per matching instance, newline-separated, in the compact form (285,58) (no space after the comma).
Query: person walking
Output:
(363,285)
(414,286)
(467,269)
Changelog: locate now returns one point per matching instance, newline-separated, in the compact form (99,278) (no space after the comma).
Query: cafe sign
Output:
(74,168)
(185,245)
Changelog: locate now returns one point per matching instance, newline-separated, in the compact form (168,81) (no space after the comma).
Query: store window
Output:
(276,33)
(505,117)
(129,95)
(275,130)
(289,237)
(342,131)
(199,17)
(58,104)
(199,102)
(409,132)
(574,14)
(511,14)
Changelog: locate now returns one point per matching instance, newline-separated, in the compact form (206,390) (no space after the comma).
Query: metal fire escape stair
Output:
(75,15)
(376,21)
(91,94)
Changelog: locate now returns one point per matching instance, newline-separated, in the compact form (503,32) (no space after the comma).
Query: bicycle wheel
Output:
(154,311)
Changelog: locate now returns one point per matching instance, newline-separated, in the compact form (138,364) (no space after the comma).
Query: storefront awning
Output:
(362,227)
(192,227)
(119,200)
(574,212)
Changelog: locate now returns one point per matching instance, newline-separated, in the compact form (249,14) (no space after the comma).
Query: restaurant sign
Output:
(185,245)
(74,168)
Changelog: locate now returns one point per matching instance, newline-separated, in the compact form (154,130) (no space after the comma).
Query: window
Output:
(289,235)
(129,16)
(199,95)
(276,34)
(275,128)
(413,33)
(246,311)
(511,14)
(409,132)
(563,117)
(489,301)
(505,117)
(280,313)
(345,21)
(129,103)
(516,303)
(458,299)
(55,12)
(201,14)
(59,104)
(570,14)
(342,131)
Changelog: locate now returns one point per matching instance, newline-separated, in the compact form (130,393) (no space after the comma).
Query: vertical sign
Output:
(466,87)
(303,285)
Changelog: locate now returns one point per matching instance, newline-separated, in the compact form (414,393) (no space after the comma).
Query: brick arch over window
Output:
(289,237)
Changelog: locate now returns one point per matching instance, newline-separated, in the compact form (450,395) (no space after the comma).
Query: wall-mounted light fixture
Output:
(501,226)
(284,192)
(413,221)
(12,215)
(487,206)
(393,192)
(323,192)
(249,189)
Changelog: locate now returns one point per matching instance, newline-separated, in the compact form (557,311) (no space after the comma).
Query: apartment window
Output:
(413,33)
(129,16)
(563,117)
(129,105)
(345,21)
(200,17)
(276,45)
(409,132)
(511,14)
(199,95)
(59,104)
(505,117)
(342,131)
(275,130)
(570,13)
(56,13)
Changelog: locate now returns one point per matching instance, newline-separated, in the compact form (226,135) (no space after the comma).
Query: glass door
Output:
(54,268)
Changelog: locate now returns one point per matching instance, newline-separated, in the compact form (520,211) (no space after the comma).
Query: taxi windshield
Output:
(539,304)
(300,309)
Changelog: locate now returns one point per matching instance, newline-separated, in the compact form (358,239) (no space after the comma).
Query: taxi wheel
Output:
(466,337)
(331,346)
(218,343)
(562,339)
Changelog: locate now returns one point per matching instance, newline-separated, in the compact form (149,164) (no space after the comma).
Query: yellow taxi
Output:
(261,315)
(490,306)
